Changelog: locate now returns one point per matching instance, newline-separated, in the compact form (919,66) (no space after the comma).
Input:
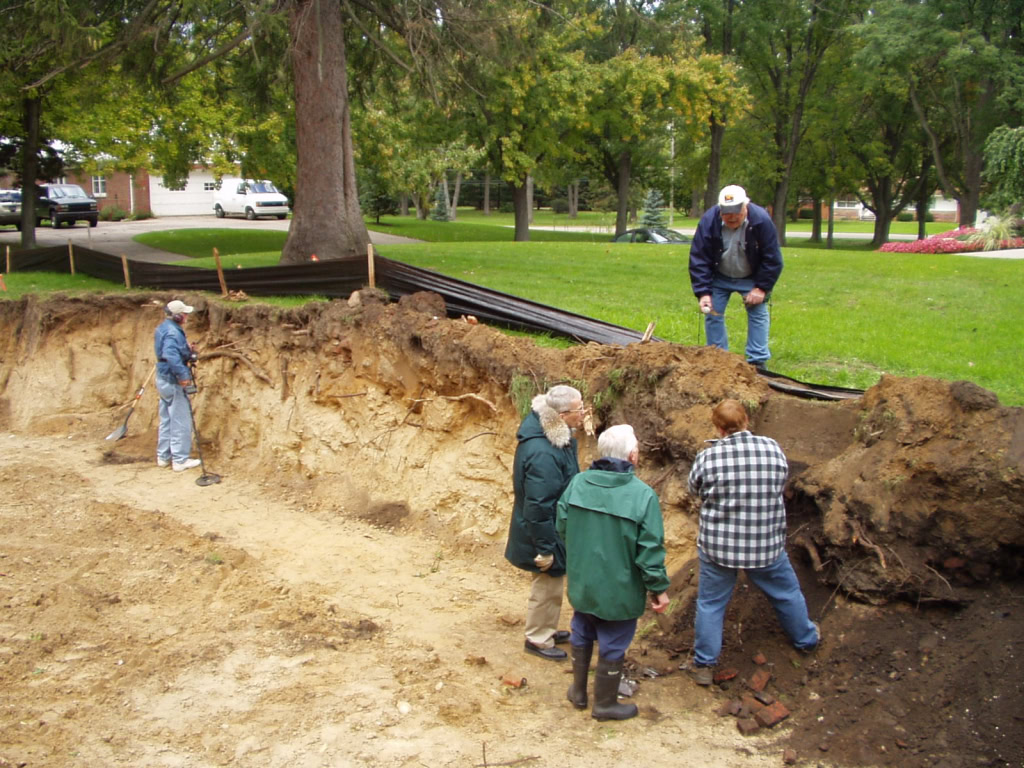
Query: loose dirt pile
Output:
(341,599)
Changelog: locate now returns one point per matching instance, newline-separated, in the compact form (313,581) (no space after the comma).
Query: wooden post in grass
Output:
(8,270)
(71,256)
(124,268)
(220,273)
(369,264)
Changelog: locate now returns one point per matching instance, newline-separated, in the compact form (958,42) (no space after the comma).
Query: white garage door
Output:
(195,199)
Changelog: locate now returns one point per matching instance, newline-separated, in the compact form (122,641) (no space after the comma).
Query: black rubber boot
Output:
(606,692)
(580,667)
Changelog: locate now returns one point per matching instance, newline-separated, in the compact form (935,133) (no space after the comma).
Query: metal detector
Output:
(206,478)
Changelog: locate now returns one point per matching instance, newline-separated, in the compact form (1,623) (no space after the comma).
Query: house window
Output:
(847,202)
(99,186)
(209,186)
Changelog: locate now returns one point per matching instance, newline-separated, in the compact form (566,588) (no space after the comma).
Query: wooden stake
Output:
(369,264)
(8,270)
(124,268)
(220,273)
(71,256)
(648,333)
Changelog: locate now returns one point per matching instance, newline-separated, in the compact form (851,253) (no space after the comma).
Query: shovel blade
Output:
(118,433)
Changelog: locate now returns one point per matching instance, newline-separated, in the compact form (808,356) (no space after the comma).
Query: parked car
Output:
(249,198)
(65,202)
(10,207)
(647,235)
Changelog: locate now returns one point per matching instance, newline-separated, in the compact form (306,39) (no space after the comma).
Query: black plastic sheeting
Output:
(339,278)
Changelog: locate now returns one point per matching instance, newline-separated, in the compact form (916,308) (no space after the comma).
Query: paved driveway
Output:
(115,237)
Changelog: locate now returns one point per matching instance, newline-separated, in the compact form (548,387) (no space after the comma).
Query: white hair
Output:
(561,398)
(617,442)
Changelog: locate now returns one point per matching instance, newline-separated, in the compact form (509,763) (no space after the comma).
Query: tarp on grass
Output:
(338,278)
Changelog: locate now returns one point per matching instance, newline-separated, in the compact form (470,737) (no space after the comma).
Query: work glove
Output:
(544,561)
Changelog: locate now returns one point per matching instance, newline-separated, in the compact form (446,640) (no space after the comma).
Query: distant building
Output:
(141,192)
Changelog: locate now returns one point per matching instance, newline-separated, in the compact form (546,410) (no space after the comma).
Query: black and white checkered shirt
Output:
(742,516)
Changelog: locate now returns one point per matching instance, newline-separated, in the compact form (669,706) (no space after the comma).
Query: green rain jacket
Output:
(614,538)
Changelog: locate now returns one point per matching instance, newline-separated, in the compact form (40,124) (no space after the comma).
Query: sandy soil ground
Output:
(340,597)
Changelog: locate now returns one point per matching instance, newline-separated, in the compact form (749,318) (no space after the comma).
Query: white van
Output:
(249,198)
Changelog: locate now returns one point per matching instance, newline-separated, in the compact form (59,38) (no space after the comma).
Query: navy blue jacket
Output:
(172,351)
(762,247)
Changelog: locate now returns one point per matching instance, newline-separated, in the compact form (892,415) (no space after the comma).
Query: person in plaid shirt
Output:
(742,528)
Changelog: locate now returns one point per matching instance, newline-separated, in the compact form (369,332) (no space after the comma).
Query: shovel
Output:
(121,431)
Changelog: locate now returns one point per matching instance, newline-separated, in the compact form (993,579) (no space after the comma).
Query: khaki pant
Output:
(543,609)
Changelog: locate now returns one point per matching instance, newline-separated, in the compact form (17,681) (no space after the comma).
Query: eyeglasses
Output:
(581,409)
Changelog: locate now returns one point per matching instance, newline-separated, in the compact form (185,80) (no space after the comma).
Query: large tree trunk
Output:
(29,171)
(714,164)
(779,207)
(529,198)
(573,195)
(520,198)
(487,193)
(816,221)
(454,204)
(623,174)
(326,219)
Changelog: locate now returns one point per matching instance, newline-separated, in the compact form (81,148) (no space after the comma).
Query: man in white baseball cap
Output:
(173,355)
(736,250)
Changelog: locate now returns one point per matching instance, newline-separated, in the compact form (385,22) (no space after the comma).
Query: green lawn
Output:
(840,316)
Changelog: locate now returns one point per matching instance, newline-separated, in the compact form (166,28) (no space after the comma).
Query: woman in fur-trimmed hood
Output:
(545,462)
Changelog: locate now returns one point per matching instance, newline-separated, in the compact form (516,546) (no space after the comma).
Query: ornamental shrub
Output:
(962,240)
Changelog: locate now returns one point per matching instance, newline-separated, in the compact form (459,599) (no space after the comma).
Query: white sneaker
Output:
(186,464)
(163,462)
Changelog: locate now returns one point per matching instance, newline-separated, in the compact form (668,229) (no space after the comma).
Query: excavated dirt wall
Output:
(914,490)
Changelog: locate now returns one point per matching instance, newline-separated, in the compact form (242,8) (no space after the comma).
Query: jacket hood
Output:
(548,424)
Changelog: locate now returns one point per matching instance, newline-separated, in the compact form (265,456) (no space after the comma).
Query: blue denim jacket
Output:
(172,351)
(762,249)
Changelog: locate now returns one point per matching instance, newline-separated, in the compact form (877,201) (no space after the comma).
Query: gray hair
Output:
(617,442)
(561,397)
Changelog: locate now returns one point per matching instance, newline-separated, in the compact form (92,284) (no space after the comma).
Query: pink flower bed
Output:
(954,241)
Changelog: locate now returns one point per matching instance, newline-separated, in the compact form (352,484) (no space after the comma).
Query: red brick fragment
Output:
(771,715)
(760,679)
(751,703)
(513,680)
(760,659)
(901,744)
(764,697)
(789,756)
(746,726)
(725,674)
(731,707)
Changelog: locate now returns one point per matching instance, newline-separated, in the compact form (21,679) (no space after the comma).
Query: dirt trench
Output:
(366,453)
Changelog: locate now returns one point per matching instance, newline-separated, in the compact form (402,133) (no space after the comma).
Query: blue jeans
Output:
(174,435)
(758,321)
(714,590)
(613,637)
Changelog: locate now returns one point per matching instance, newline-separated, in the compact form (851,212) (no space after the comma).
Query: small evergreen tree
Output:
(654,217)
(440,209)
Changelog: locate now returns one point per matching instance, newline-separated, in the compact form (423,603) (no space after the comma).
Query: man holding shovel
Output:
(174,383)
